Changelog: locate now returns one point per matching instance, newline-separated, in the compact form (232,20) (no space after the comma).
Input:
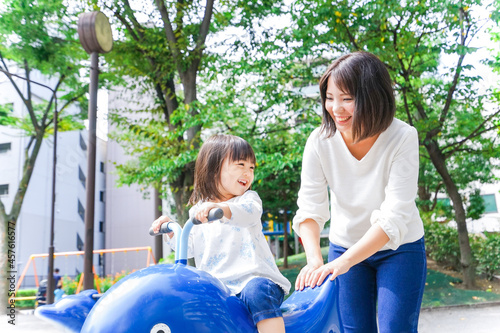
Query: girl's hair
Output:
(365,77)
(209,164)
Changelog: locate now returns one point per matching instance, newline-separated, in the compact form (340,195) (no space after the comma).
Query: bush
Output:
(70,285)
(107,282)
(27,304)
(441,242)
(488,256)
(170,259)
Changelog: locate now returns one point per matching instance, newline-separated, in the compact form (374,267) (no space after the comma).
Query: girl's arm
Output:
(245,211)
(372,241)
(202,212)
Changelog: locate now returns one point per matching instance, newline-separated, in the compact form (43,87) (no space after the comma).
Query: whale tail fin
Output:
(313,309)
(70,312)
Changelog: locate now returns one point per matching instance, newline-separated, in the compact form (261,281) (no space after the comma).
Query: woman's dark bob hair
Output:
(212,155)
(363,76)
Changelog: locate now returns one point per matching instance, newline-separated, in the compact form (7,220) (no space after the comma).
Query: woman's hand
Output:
(335,268)
(305,273)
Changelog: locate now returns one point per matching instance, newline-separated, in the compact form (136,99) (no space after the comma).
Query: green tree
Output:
(426,47)
(157,55)
(197,89)
(36,37)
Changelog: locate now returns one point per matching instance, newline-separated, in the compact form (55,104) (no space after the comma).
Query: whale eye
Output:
(160,328)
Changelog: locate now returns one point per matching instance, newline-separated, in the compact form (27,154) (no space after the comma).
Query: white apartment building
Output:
(33,224)
(130,210)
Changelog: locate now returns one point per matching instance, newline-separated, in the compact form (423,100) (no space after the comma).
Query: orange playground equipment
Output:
(150,257)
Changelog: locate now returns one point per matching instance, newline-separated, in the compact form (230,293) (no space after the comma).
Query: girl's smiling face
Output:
(236,178)
(340,106)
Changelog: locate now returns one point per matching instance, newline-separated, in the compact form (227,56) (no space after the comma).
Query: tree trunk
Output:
(182,187)
(181,190)
(439,162)
(4,284)
(158,248)
(285,240)
(8,224)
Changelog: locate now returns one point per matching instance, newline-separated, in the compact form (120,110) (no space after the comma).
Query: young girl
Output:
(234,249)
(368,161)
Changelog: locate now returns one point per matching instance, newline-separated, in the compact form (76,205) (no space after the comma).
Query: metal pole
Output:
(50,277)
(88,277)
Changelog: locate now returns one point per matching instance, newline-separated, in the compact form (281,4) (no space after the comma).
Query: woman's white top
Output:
(235,250)
(380,188)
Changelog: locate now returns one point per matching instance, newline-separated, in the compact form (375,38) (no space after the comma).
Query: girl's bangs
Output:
(241,151)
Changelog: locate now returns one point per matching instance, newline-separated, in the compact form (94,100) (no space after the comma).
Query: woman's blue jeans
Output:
(392,280)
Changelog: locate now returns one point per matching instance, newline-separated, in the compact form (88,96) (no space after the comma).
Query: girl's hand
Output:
(304,276)
(159,221)
(336,268)
(202,212)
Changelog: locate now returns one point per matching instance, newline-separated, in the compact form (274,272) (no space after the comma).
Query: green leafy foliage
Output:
(241,91)
(441,243)
(253,85)
(488,257)
(28,303)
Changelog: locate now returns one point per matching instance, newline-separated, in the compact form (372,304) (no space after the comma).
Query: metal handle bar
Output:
(182,235)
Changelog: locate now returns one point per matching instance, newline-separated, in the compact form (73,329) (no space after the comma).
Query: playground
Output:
(443,286)
(31,266)
(458,317)
(455,319)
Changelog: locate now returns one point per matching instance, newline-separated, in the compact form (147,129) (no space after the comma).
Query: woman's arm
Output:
(309,233)
(372,241)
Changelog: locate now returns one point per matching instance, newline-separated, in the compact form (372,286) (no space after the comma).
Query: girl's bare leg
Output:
(271,325)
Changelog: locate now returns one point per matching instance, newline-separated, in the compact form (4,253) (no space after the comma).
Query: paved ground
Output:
(478,319)
(26,322)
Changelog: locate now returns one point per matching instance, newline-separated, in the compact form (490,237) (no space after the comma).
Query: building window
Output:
(79,243)
(4,147)
(83,145)
(444,202)
(4,189)
(102,167)
(81,210)
(81,176)
(101,226)
(101,196)
(490,204)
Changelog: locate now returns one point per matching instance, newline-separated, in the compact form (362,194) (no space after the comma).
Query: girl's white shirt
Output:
(380,188)
(235,250)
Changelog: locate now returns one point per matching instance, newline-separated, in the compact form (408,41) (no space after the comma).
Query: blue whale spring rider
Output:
(176,298)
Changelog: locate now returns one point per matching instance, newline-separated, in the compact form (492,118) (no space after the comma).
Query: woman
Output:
(368,161)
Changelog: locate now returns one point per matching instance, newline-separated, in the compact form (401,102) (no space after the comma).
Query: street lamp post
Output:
(95,35)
